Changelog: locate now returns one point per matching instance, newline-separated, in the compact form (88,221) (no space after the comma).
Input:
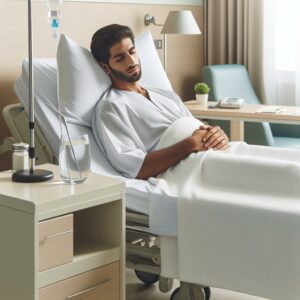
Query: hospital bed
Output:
(153,257)
(247,242)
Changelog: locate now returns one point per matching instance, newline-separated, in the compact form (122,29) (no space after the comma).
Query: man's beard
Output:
(127,78)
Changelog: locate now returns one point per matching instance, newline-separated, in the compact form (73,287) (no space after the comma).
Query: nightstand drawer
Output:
(102,283)
(55,242)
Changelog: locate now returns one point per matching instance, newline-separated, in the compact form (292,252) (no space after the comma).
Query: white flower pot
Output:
(202,99)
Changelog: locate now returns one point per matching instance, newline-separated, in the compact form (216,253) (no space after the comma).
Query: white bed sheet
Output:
(137,191)
(238,214)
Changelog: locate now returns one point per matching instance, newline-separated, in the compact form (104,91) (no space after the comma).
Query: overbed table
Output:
(290,115)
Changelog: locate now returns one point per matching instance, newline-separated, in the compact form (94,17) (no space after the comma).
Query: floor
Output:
(135,290)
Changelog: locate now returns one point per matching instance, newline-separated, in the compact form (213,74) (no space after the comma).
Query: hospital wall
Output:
(80,21)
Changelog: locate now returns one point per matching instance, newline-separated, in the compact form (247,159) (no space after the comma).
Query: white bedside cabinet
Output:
(60,241)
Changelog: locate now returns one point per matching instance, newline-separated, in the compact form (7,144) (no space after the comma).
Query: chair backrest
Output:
(233,81)
(229,81)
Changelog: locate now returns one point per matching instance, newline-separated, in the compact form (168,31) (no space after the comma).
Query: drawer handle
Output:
(58,234)
(88,290)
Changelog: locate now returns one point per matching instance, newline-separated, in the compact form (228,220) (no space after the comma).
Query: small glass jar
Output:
(20,157)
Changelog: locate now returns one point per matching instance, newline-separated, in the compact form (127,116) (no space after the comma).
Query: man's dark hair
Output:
(104,38)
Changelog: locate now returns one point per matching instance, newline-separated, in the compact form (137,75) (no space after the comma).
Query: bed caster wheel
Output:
(147,278)
(198,294)
(183,294)
(176,294)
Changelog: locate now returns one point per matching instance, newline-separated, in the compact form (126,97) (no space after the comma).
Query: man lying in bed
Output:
(130,120)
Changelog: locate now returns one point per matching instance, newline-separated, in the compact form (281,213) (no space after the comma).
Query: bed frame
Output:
(142,247)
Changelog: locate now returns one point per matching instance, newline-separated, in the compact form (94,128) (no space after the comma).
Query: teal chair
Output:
(234,81)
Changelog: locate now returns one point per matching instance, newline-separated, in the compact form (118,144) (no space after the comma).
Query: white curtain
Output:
(281,54)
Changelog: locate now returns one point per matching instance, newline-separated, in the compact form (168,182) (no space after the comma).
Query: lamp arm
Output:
(149,19)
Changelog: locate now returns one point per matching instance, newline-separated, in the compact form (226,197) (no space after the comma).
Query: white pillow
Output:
(153,73)
(82,82)
(45,79)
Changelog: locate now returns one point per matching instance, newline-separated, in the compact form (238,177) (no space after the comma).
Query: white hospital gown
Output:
(127,125)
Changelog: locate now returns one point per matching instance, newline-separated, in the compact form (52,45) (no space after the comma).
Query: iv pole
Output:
(31,175)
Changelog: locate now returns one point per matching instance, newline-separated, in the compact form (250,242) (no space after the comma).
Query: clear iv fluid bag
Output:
(54,3)
(54,15)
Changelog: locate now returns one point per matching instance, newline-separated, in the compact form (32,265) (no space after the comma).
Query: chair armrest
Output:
(285,130)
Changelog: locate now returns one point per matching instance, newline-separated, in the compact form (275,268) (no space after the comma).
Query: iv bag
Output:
(54,4)
(54,15)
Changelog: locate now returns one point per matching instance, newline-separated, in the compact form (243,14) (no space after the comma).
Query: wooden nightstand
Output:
(60,241)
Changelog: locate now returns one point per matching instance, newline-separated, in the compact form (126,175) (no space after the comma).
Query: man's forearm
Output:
(202,139)
(159,161)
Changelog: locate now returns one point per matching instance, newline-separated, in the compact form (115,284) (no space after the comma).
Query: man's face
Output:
(124,63)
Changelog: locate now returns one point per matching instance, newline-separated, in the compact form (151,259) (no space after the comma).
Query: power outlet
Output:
(158,44)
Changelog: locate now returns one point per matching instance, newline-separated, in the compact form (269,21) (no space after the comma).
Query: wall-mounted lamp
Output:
(177,22)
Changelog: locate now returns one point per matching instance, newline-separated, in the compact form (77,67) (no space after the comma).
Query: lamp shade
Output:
(180,22)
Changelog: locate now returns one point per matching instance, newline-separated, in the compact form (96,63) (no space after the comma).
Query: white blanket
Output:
(238,217)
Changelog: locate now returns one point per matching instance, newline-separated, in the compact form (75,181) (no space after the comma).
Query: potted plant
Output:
(201,90)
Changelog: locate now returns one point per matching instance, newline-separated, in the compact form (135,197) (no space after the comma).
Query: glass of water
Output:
(74,157)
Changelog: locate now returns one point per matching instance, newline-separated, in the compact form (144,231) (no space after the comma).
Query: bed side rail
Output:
(7,144)
(134,218)
(142,247)
(16,119)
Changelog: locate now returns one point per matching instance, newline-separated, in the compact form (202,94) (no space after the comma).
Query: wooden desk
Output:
(290,115)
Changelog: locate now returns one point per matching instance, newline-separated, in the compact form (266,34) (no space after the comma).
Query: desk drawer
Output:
(55,242)
(98,284)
